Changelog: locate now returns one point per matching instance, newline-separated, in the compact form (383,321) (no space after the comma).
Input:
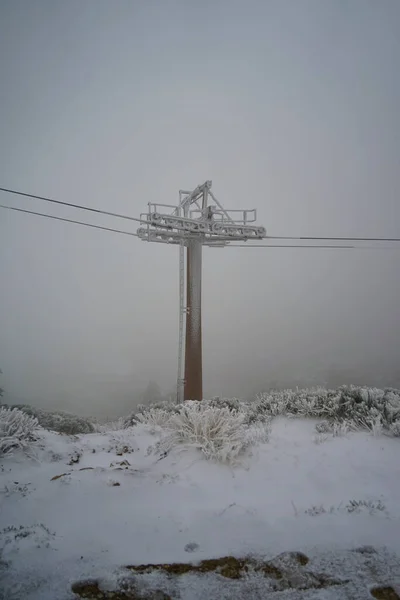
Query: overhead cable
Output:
(38,214)
(129,218)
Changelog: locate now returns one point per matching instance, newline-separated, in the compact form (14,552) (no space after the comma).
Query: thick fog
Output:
(290,107)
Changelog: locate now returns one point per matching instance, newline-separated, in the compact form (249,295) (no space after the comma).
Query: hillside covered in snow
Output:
(295,495)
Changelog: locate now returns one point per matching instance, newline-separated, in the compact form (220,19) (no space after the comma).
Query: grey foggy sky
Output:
(289,106)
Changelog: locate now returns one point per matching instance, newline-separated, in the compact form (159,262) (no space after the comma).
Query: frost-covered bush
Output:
(141,414)
(340,429)
(121,442)
(255,415)
(323,427)
(154,417)
(395,429)
(17,430)
(165,405)
(66,423)
(58,421)
(336,428)
(232,404)
(357,506)
(128,421)
(313,402)
(359,407)
(219,433)
(257,433)
(366,406)
(344,409)
(354,506)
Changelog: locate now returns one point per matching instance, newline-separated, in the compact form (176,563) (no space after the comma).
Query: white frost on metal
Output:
(193,221)
(193,218)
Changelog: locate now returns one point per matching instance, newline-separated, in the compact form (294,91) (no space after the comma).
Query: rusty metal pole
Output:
(193,348)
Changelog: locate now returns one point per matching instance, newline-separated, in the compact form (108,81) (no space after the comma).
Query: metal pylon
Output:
(182,311)
(191,224)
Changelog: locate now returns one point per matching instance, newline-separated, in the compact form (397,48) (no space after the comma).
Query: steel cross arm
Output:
(192,197)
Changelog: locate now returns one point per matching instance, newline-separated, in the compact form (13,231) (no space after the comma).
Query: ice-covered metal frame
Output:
(194,218)
(194,223)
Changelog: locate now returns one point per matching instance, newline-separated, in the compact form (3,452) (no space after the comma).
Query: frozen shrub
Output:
(376,425)
(165,405)
(130,420)
(58,421)
(358,407)
(232,404)
(340,429)
(17,430)
(357,506)
(141,414)
(354,506)
(315,511)
(395,429)
(68,424)
(314,402)
(154,417)
(121,443)
(366,407)
(218,432)
(117,425)
(255,415)
(344,409)
(258,433)
(323,427)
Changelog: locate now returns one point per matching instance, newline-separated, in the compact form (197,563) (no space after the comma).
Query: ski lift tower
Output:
(191,224)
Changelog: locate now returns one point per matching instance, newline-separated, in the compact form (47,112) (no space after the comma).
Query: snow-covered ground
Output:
(325,496)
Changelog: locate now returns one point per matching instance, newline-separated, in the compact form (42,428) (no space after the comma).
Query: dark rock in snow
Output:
(92,591)
(384,593)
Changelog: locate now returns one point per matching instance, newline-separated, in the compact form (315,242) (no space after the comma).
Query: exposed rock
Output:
(286,570)
(87,589)
(92,591)
(227,566)
(385,593)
